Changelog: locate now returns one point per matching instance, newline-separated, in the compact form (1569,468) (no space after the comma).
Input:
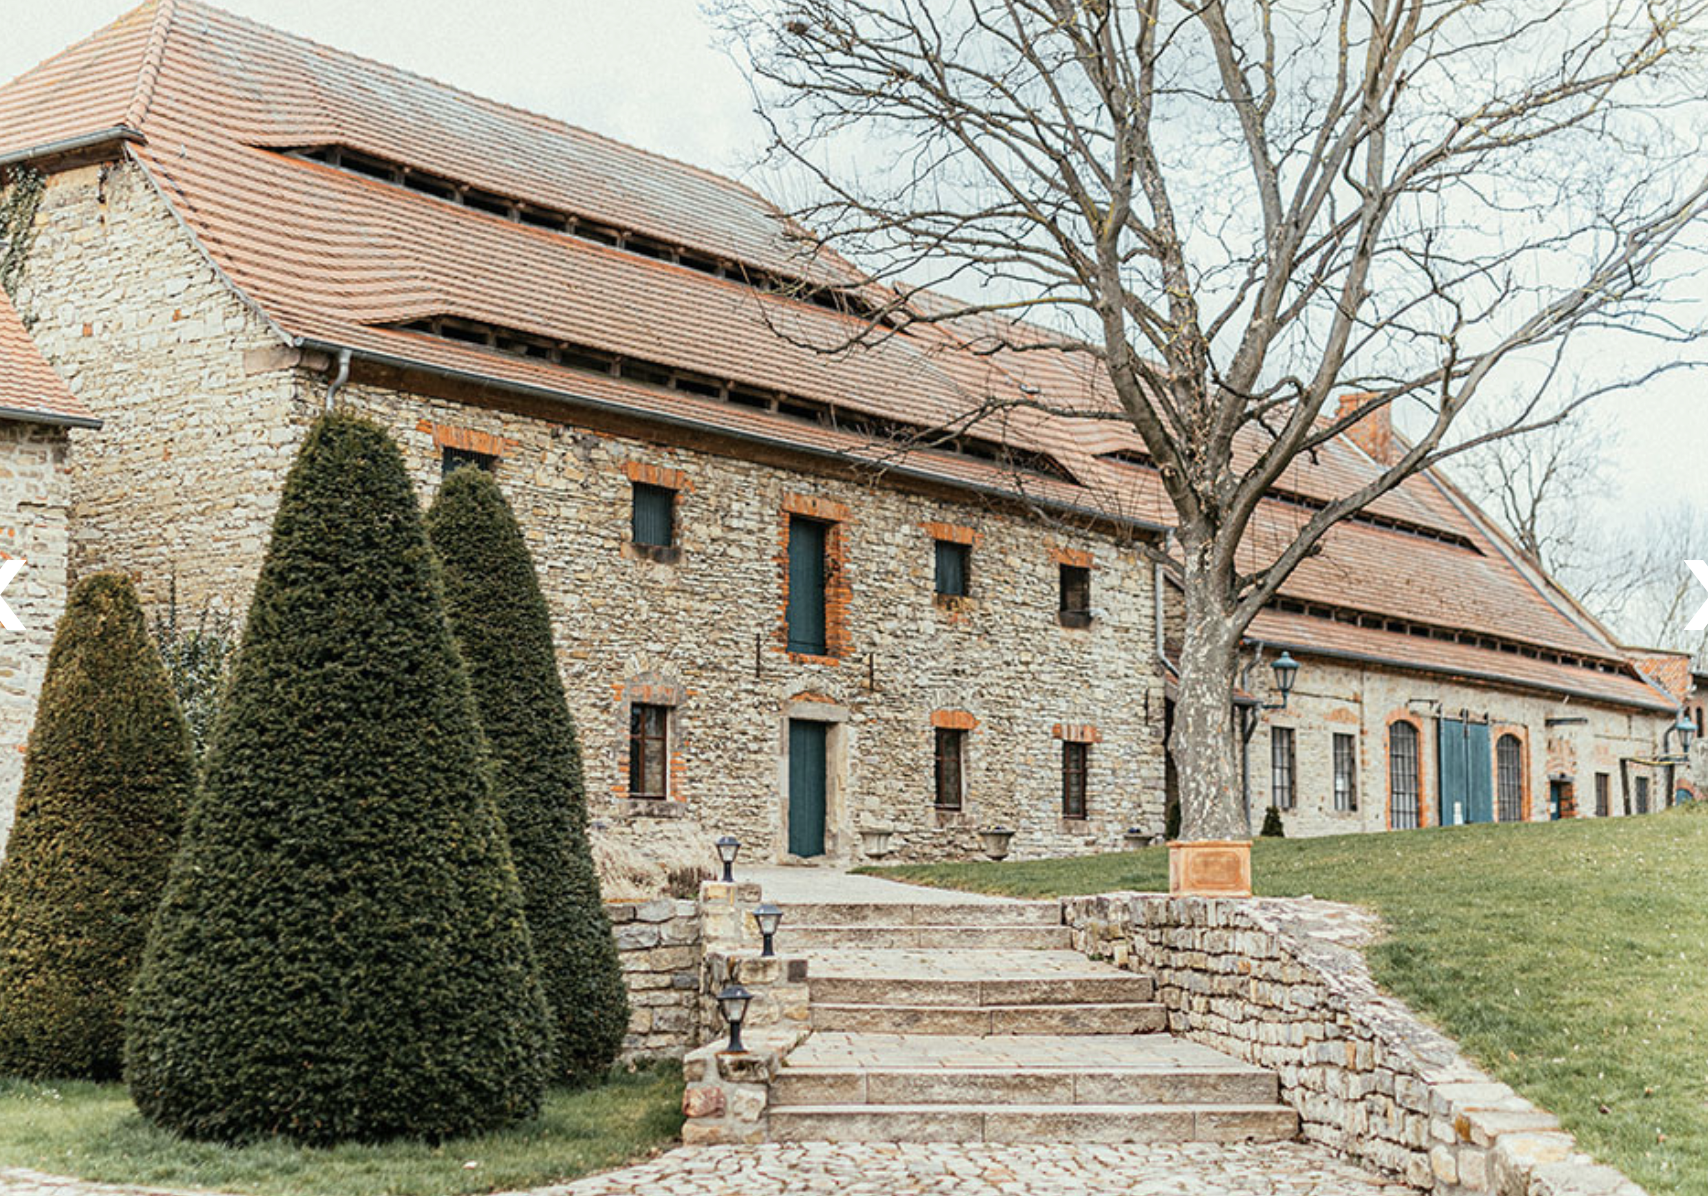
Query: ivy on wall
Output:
(19,203)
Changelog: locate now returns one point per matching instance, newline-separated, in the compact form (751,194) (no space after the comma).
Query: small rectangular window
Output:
(1602,784)
(649,751)
(1642,795)
(654,516)
(953,561)
(1345,772)
(951,762)
(1075,759)
(455,458)
(805,614)
(1075,610)
(1282,795)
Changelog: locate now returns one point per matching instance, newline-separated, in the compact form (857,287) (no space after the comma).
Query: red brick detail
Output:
(1077,732)
(467,439)
(1342,714)
(838,588)
(954,720)
(1375,432)
(1521,733)
(656,475)
(808,695)
(814,507)
(1425,807)
(952,532)
(1071,556)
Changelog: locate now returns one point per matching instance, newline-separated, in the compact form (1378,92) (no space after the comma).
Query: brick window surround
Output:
(1407,773)
(656,498)
(1076,764)
(1074,567)
(1345,772)
(642,795)
(838,591)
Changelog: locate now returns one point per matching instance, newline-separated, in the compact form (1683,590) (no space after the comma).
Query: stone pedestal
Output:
(1210,868)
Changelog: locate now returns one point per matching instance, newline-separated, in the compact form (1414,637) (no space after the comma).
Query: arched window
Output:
(1402,777)
(1509,779)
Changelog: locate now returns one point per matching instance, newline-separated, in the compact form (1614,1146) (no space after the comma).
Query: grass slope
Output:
(94,1132)
(1570,959)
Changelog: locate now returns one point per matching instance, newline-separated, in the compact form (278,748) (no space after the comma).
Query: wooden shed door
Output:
(1467,772)
(806,787)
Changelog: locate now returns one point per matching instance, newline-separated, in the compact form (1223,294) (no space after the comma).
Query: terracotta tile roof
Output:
(338,259)
(29,389)
(1668,670)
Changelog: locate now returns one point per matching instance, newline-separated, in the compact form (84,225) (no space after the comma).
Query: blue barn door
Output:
(806,787)
(1466,771)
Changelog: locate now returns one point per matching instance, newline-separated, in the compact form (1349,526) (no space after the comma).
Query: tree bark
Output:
(1204,744)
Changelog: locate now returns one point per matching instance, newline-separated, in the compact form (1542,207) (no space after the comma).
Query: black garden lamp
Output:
(767,915)
(728,848)
(1286,672)
(732,1001)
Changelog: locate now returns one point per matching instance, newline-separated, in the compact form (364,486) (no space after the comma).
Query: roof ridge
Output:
(528,113)
(148,74)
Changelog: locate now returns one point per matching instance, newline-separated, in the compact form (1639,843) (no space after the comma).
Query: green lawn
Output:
(93,1131)
(1571,959)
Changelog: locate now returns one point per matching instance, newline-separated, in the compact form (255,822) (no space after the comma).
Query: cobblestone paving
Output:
(872,1169)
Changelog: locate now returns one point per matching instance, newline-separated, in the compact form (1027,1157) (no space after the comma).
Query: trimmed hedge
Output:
(341,952)
(108,775)
(500,621)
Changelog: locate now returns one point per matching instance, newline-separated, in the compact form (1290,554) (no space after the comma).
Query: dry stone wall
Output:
(35,493)
(1283,984)
(658,947)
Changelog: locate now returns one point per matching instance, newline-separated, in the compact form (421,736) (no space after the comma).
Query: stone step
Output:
(1115,988)
(1032,1123)
(932,937)
(1023,1086)
(1110,1018)
(872,913)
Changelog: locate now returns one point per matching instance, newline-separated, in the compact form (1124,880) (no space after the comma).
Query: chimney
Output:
(1375,432)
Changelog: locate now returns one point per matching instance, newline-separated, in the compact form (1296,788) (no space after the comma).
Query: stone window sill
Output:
(1074,620)
(658,554)
(651,807)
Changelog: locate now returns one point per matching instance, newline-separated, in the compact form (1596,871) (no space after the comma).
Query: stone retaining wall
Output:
(1284,984)
(658,944)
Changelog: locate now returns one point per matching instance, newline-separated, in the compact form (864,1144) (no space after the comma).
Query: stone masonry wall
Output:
(701,635)
(1334,696)
(205,407)
(201,416)
(1283,984)
(658,945)
(35,494)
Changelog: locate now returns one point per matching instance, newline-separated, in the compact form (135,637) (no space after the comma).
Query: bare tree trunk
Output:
(1204,745)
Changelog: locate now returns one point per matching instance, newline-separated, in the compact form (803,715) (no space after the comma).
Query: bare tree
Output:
(1641,587)
(1240,212)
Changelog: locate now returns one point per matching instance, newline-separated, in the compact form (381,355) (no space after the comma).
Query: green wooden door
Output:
(806,787)
(1466,772)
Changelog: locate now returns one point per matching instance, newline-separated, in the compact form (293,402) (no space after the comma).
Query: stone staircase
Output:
(943,1022)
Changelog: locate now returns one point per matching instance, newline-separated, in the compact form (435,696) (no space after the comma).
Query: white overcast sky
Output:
(649,72)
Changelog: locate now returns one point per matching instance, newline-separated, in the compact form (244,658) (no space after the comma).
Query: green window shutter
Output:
(806,585)
(952,561)
(655,515)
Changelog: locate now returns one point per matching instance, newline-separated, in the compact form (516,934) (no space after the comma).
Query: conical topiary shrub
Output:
(341,952)
(500,622)
(108,776)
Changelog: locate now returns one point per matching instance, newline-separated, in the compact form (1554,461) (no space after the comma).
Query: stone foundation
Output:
(1283,984)
(658,944)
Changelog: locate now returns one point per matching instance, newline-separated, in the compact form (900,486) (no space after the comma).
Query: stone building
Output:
(37,412)
(810,598)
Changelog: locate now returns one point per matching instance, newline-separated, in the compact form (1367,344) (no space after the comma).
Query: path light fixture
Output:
(767,915)
(732,1002)
(728,848)
(1685,730)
